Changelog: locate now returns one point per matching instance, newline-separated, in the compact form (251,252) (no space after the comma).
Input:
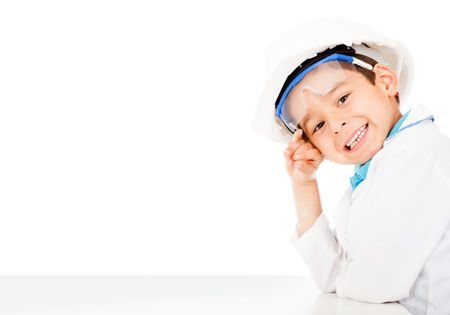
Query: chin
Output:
(338,161)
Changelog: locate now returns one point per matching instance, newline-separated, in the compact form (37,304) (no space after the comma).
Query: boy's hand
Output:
(302,159)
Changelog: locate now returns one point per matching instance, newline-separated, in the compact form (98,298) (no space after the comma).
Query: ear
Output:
(386,79)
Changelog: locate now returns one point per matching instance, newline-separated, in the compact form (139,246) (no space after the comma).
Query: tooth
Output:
(355,142)
(357,137)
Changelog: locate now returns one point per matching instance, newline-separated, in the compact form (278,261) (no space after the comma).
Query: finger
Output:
(289,162)
(310,154)
(294,145)
(299,163)
(303,147)
(288,152)
(297,135)
(298,143)
(303,163)
(302,156)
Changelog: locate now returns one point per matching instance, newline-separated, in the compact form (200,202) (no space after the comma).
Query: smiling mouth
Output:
(356,139)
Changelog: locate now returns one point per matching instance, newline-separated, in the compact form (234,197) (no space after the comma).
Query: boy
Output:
(340,102)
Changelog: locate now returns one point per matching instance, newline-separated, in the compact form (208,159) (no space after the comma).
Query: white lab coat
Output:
(391,237)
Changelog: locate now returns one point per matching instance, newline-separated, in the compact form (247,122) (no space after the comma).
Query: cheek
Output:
(331,153)
(324,148)
(370,98)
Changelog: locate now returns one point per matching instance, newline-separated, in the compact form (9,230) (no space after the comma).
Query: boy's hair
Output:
(369,74)
(341,49)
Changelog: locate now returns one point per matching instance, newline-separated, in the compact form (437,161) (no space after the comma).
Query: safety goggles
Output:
(301,92)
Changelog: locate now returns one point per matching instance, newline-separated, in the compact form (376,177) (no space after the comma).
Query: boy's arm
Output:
(314,239)
(307,204)
(302,162)
(392,233)
(318,245)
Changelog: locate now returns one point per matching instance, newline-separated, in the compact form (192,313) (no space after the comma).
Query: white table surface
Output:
(176,295)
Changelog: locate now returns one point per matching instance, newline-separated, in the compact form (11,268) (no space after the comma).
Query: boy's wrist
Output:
(303,183)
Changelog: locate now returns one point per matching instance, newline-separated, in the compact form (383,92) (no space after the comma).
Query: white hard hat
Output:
(312,37)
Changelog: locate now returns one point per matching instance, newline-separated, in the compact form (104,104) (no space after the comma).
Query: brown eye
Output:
(319,124)
(343,99)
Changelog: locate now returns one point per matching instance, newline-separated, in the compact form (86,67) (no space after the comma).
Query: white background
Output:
(125,132)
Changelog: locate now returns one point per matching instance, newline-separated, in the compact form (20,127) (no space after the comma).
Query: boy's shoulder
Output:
(420,140)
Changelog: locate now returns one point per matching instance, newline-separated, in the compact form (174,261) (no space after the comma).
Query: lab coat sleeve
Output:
(321,252)
(394,232)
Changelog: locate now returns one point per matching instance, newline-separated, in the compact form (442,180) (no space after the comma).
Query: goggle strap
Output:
(362,64)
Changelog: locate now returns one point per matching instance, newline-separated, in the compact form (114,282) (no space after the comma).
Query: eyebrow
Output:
(307,116)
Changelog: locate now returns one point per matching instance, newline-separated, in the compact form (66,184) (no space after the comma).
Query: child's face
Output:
(337,116)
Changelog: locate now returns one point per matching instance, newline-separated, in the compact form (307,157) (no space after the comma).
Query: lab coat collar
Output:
(416,115)
(413,117)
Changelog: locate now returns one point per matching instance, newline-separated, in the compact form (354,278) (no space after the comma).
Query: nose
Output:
(337,126)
